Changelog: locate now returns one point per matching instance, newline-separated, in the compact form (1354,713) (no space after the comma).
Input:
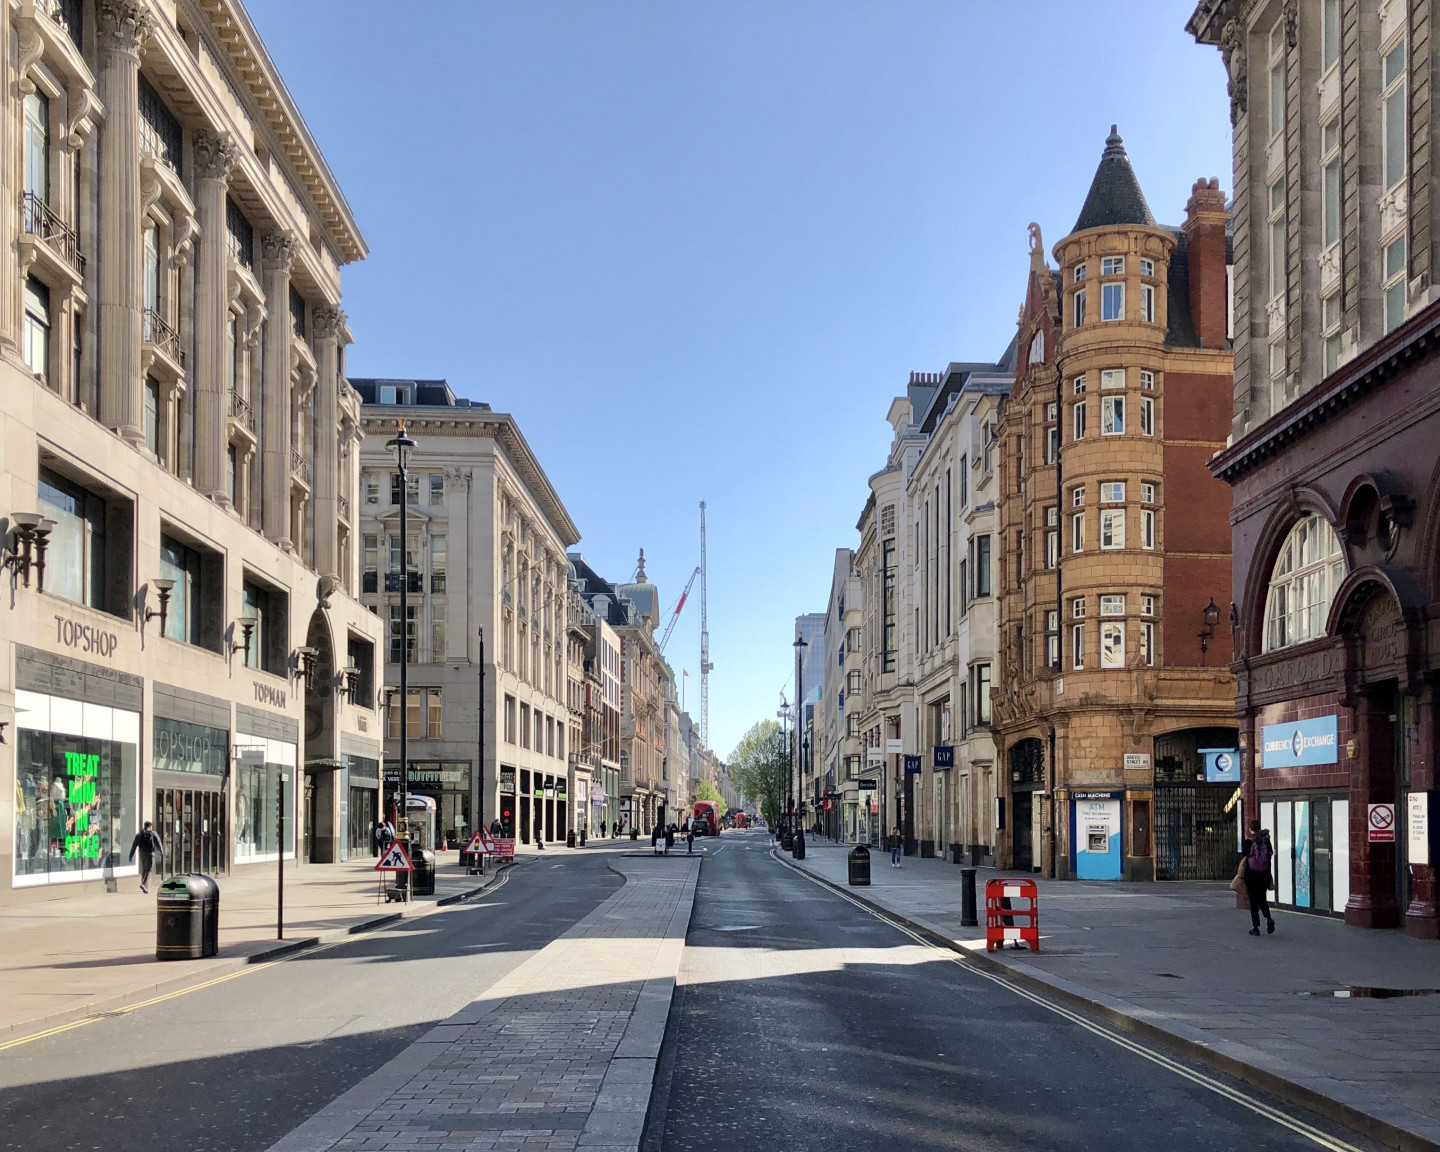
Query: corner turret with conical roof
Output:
(1115,196)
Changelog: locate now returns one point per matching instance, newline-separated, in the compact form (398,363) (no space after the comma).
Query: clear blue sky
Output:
(696,248)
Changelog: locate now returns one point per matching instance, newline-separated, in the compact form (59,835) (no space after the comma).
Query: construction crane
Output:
(675,613)
(705,664)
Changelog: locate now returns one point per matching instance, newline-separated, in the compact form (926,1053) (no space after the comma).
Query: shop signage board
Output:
(912,765)
(865,785)
(1300,742)
(1418,827)
(1381,824)
(396,859)
(944,756)
(1222,765)
(894,747)
(875,756)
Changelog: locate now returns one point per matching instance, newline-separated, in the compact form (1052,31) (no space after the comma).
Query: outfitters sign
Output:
(1300,743)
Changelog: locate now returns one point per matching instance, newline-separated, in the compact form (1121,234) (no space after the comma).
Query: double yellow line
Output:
(245,971)
(1219,1087)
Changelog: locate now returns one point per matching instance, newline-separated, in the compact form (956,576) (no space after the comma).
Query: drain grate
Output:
(1363,992)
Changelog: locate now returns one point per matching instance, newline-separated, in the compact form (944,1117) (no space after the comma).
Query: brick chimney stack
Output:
(1205,220)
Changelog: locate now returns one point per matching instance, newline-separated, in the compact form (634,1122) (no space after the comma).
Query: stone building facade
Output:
(182,641)
(839,741)
(1113,547)
(1336,493)
(487,539)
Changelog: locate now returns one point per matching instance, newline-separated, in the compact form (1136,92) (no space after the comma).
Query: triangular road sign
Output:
(477,843)
(396,859)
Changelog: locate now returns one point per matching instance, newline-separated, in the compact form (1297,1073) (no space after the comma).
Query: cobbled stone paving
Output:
(525,1066)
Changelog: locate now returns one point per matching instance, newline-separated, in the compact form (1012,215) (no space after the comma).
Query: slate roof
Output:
(428,393)
(1114,196)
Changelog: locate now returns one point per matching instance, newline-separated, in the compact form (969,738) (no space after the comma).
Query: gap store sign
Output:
(1300,742)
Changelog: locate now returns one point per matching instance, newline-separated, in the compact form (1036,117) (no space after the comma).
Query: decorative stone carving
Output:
(327,322)
(1292,23)
(277,249)
(1329,267)
(1392,18)
(1393,207)
(1232,51)
(87,108)
(1275,316)
(214,153)
(1287,675)
(32,47)
(123,25)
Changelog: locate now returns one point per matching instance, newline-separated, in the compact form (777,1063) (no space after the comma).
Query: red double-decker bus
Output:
(706,812)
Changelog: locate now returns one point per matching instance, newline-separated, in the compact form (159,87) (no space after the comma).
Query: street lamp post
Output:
(480,740)
(403,446)
(800,646)
(781,813)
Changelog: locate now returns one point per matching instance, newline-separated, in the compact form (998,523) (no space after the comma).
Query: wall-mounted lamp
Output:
(350,678)
(32,535)
(247,629)
(163,588)
(306,661)
(1212,618)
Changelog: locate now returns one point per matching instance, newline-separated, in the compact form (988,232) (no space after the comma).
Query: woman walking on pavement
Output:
(1259,856)
(895,845)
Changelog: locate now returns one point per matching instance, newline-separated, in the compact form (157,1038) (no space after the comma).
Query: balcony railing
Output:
(241,412)
(300,466)
(416,582)
(164,337)
(41,220)
(344,502)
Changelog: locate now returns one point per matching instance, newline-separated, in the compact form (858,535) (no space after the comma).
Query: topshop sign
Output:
(1300,743)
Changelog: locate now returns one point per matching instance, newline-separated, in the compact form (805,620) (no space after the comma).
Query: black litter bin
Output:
(570,839)
(634,833)
(187,922)
(422,879)
(859,866)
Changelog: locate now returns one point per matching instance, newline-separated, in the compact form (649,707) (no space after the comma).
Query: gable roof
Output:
(1114,196)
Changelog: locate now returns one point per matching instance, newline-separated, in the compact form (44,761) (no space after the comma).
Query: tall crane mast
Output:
(705,664)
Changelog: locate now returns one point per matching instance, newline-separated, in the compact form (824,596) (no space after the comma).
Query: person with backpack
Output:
(1258,873)
(148,845)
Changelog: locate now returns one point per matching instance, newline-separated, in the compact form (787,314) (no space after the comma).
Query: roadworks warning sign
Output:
(396,859)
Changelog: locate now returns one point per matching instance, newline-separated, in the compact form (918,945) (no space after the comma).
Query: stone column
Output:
(326,464)
(277,248)
(1372,902)
(213,155)
(123,26)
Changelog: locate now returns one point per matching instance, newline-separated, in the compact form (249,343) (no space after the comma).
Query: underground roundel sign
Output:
(1381,824)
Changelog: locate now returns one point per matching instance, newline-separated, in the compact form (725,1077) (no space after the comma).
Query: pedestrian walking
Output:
(895,845)
(669,838)
(147,844)
(689,837)
(1258,855)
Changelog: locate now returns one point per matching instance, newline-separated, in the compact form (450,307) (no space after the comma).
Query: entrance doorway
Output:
(192,826)
(1023,831)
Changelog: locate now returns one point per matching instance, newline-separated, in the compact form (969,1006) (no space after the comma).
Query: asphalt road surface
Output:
(234,1067)
(803,1022)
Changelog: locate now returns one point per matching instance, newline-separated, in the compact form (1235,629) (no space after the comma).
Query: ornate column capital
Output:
(277,249)
(327,323)
(214,153)
(123,25)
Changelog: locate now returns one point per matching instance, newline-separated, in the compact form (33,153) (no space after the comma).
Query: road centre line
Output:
(249,968)
(1323,1139)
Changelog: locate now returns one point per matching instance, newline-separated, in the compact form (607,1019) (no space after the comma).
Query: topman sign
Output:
(1301,742)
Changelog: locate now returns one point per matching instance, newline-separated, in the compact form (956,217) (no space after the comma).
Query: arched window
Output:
(1037,348)
(1308,570)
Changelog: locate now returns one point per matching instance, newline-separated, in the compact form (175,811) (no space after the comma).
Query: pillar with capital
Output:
(123,26)
(213,155)
(326,464)
(277,250)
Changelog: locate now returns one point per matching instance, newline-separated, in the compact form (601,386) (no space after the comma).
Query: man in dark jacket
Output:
(1259,859)
(147,844)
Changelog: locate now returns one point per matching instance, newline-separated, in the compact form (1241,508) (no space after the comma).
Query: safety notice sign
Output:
(396,859)
(1382,824)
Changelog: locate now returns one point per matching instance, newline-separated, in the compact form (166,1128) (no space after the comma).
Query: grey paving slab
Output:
(1247,1000)
(560,1054)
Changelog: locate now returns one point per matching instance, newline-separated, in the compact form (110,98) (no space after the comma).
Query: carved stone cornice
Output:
(327,322)
(214,153)
(1232,50)
(277,249)
(123,25)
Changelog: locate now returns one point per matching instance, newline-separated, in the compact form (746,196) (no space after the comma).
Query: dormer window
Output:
(1037,348)
(396,394)
(1112,266)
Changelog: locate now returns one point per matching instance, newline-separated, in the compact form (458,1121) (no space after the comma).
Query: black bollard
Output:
(968,918)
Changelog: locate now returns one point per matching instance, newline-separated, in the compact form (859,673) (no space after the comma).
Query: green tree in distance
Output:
(760,768)
(707,791)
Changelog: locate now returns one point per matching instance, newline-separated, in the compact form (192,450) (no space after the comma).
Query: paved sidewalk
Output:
(558,1055)
(1175,961)
(69,958)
